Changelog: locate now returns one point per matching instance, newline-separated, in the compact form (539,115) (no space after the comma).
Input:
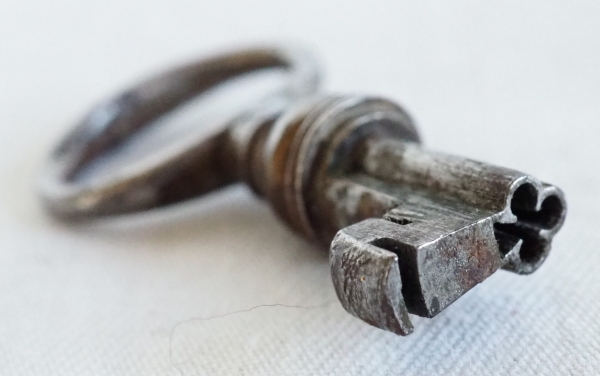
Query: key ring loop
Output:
(191,170)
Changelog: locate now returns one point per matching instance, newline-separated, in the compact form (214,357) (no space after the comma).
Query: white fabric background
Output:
(514,83)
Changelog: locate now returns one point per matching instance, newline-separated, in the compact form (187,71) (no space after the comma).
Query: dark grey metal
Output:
(194,167)
(412,230)
(449,223)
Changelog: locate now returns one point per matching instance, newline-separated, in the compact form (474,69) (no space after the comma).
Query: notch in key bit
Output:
(412,230)
(451,224)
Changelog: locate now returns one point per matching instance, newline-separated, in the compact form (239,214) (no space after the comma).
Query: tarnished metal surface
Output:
(412,230)
(415,229)
(194,167)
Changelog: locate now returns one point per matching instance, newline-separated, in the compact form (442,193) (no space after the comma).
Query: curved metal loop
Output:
(191,170)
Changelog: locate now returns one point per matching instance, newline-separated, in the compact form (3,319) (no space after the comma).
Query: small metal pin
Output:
(409,230)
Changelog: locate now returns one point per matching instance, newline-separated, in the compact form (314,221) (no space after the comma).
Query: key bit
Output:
(412,230)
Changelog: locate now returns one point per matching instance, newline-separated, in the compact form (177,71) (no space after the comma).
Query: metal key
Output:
(412,230)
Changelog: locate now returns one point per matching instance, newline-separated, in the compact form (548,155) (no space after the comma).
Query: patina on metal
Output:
(191,168)
(413,230)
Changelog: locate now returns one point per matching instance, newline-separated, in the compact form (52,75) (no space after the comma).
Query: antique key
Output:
(412,230)
(409,230)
